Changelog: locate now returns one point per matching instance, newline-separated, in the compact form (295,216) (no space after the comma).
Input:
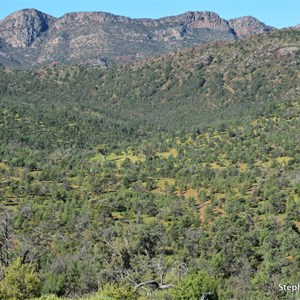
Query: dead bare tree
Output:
(124,273)
(33,253)
(34,247)
(6,237)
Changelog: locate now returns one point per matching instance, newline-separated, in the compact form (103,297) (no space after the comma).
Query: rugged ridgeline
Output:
(30,37)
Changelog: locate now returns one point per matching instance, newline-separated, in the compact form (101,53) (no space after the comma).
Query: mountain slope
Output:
(180,170)
(103,38)
(181,91)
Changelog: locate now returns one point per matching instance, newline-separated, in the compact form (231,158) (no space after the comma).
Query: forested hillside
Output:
(169,178)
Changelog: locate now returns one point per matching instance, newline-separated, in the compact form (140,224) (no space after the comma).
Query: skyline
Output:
(278,13)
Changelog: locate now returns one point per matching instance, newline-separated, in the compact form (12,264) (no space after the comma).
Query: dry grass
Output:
(171,151)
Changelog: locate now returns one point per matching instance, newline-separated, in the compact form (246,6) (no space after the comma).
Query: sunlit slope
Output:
(180,92)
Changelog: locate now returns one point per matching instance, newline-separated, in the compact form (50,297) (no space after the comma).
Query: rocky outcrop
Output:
(248,26)
(198,19)
(99,37)
(288,51)
(20,29)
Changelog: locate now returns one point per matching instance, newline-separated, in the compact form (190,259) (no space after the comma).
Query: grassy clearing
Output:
(218,211)
(171,151)
(202,211)
(243,167)
(3,166)
(219,195)
(148,219)
(163,183)
(117,215)
(117,158)
(97,158)
(284,159)
(216,166)
(190,193)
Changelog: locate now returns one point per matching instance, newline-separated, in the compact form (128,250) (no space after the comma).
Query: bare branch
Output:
(113,248)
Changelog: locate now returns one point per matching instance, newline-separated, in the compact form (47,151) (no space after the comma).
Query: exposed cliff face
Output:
(248,26)
(31,37)
(194,20)
(20,29)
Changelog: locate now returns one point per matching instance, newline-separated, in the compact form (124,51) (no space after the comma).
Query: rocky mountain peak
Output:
(21,28)
(197,19)
(205,19)
(248,26)
(86,19)
(89,16)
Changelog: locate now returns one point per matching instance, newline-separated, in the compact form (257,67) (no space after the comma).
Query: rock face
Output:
(248,26)
(23,27)
(30,37)
(288,51)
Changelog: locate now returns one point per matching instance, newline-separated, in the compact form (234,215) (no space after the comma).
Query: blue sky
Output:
(277,13)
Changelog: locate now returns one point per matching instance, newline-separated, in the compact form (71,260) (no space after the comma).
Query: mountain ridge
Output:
(102,38)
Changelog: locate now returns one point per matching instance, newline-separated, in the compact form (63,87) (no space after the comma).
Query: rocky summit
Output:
(32,38)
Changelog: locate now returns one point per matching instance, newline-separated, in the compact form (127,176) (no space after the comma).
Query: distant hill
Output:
(29,37)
